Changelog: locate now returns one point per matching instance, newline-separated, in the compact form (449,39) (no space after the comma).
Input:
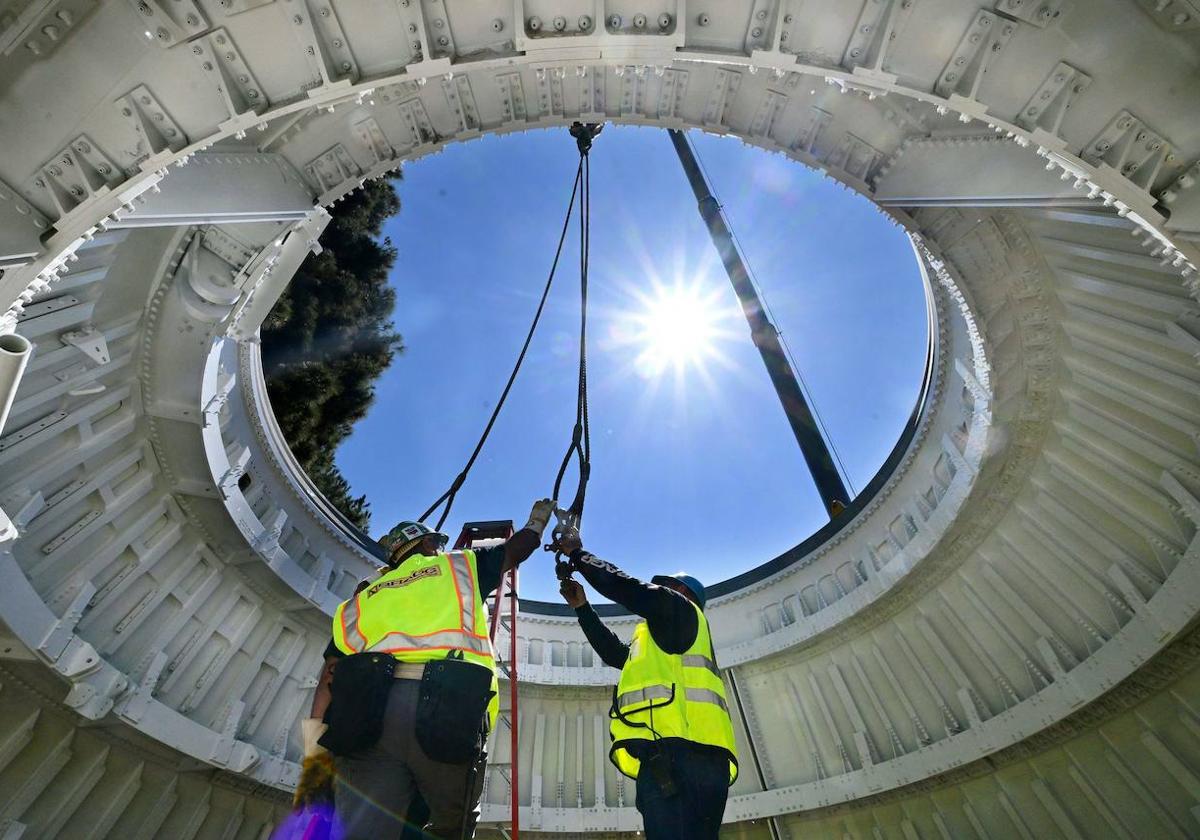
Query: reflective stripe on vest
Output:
(354,638)
(444,640)
(701,661)
(665,692)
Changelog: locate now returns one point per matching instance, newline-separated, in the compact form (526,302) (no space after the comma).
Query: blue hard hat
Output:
(693,585)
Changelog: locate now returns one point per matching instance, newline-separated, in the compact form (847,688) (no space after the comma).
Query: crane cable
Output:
(580,439)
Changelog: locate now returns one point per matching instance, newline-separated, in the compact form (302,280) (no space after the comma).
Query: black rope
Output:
(449,495)
(581,441)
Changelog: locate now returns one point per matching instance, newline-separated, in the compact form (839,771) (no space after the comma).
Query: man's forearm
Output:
(323,694)
(520,546)
(608,646)
(670,617)
(631,593)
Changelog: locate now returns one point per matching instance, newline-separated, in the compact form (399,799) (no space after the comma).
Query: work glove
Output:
(539,517)
(573,593)
(316,771)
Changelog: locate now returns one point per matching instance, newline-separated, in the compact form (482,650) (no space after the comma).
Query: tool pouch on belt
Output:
(660,764)
(451,712)
(361,683)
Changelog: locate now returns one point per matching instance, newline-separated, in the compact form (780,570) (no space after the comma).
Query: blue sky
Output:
(692,468)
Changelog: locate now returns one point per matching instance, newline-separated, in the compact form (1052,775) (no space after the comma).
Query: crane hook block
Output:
(584,134)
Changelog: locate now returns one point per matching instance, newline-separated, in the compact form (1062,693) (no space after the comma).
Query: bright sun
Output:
(678,327)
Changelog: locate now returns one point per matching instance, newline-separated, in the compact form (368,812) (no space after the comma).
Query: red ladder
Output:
(476,534)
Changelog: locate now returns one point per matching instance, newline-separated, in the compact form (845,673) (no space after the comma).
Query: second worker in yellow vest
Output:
(670,725)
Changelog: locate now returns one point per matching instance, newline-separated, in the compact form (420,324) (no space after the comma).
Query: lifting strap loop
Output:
(581,442)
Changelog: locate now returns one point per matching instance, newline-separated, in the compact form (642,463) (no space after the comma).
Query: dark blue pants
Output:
(695,809)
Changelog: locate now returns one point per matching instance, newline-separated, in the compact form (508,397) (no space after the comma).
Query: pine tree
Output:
(330,336)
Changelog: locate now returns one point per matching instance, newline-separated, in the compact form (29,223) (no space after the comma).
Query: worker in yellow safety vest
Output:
(670,729)
(413,688)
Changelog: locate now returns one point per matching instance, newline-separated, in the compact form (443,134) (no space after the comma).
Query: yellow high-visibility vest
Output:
(663,695)
(424,610)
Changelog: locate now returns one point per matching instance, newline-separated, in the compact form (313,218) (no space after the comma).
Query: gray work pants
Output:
(374,788)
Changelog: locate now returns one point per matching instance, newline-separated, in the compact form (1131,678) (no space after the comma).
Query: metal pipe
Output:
(15,351)
(766,338)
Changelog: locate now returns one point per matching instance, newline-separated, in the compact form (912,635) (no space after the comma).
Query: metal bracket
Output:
(219,57)
(461,101)
(1039,13)
(416,119)
(1133,149)
(373,139)
(766,117)
(1053,98)
(723,92)
(671,92)
(89,341)
(75,174)
(332,167)
(512,96)
(236,7)
(168,24)
(154,127)
(324,44)
(965,70)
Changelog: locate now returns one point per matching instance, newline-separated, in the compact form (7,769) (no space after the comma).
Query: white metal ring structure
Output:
(999,642)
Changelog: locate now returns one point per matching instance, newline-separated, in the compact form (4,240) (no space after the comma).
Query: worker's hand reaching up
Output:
(539,517)
(573,593)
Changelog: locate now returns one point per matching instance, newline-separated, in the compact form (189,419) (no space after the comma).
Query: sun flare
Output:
(677,328)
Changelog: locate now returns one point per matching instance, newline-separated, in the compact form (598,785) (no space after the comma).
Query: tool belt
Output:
(451,719)
(659,764)
(360,688)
